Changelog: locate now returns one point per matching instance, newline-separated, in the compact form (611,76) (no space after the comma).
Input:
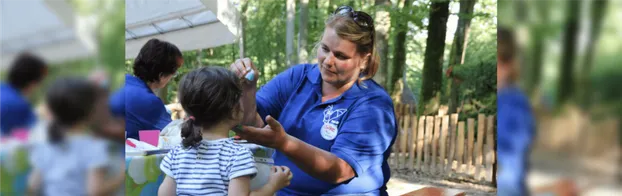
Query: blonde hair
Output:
(346,28)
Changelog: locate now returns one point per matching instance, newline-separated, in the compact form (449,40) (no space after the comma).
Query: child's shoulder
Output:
(237,147)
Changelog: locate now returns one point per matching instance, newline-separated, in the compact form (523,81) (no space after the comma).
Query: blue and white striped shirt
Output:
(208,168)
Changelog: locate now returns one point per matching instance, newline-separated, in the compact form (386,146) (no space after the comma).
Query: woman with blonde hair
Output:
(331,124)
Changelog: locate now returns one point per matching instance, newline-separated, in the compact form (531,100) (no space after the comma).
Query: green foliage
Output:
(478,89)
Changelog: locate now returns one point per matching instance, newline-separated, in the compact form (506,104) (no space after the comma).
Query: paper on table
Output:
(149,136)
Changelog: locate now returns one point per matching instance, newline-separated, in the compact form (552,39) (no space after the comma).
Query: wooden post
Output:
(420,142)
(481,134)
(491,145)
(470,142)
(460,154)
(453,143)
(435,136)
(444,130)
(395,148)
(429,127)
(404,142)
(413,142)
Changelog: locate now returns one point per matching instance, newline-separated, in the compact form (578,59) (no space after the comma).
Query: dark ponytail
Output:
(190,133)
(55,133)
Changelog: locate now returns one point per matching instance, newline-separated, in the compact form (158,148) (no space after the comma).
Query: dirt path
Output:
(399,185)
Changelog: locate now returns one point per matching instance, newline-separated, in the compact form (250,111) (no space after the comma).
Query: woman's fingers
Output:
(235,68)
(273,123)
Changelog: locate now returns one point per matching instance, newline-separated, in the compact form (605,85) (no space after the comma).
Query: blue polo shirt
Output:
(15,110)
(359,127)
(515,135)
(143,110)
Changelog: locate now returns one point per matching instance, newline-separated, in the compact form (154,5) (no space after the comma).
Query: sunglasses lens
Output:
(343,10)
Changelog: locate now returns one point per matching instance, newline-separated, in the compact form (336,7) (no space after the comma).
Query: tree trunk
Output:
(302,31)
(567,81)
(399,50)
(461,38)
(538,43)
(597,13)
(433,60)
(383,25)
(242,36)
(289,43)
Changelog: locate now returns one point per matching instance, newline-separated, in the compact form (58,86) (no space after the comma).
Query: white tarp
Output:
(44,27)
(189,24)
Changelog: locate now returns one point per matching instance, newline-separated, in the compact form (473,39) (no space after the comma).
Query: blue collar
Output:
(355,91)
(135,81)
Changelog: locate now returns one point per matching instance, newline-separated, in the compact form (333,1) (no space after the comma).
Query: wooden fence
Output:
(432,146)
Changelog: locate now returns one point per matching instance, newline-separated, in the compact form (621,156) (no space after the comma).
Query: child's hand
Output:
(280,177)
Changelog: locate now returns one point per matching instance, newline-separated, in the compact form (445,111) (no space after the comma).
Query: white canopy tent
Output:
(189,24)
(44,27)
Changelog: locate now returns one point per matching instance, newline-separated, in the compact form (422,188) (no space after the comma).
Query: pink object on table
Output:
(149,136)
(20,134)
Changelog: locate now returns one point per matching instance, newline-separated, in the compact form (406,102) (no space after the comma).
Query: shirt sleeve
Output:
(152,112)
(97,154)
(271,97)
(242,164)
(367,134)
(36,156)
(167,163)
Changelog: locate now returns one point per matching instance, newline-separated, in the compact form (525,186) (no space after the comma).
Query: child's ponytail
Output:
(191,133)
(55,133)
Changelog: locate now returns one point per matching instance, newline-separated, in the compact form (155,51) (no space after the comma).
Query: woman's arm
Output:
(34,183)
(168,187)
(316,162)
(312,160)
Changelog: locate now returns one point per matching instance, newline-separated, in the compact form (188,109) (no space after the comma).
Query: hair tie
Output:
(191,117)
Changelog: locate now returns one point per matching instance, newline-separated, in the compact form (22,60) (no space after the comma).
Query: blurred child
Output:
(515,125)
(209,162)
(71,161)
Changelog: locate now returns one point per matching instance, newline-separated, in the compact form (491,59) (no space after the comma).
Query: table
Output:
(143,175)
(14,170)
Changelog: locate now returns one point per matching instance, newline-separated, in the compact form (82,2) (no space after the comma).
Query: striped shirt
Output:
(208,168)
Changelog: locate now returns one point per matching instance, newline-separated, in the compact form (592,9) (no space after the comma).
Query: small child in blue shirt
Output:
(209,162)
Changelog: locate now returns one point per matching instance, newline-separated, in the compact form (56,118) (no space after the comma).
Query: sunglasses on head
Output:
(361,18)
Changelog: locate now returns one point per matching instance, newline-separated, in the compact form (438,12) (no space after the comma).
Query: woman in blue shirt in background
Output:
(332,125)
(156,63)
(24,77)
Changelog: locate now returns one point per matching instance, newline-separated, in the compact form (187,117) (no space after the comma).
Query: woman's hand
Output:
(272,135)
(241,67)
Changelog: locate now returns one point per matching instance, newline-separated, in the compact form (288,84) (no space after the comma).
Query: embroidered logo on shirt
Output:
(329,129)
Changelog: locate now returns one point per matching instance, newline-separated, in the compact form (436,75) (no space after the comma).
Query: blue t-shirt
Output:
(15,110)
(143,109)
(515,134)
(359,127)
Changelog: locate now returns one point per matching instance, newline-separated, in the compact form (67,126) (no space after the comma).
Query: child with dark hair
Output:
(25,75)
(209,162)
(515,124)
(72,161)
